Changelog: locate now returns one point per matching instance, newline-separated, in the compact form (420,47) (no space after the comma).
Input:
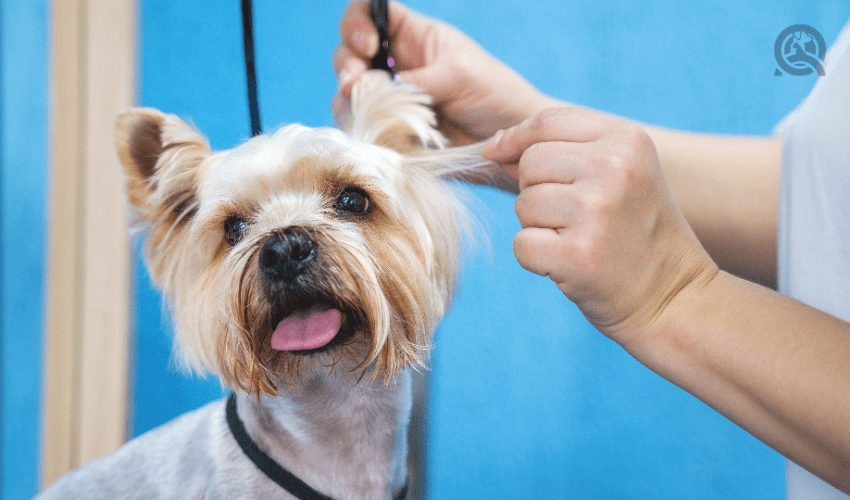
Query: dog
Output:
(307,269)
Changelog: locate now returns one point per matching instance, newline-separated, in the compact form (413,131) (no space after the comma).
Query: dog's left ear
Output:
(390,114)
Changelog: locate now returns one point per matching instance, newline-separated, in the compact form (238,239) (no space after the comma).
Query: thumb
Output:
(550,125)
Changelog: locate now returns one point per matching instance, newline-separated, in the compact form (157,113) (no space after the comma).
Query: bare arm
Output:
(769,363)
(728,189)
(600,221)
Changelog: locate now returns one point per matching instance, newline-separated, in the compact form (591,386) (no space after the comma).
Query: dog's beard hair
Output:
(245,357)
(389,293)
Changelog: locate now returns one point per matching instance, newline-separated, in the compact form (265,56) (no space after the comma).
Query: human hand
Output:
(474,93)
(598,218)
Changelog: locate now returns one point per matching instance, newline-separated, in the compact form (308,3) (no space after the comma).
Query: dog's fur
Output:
(371,227)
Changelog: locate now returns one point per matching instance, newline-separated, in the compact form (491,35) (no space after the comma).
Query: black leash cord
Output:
(382,60)
(250,70)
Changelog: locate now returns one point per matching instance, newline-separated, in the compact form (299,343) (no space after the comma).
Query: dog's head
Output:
(303,249)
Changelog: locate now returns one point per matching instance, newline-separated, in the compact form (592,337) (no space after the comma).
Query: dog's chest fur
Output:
(351,442)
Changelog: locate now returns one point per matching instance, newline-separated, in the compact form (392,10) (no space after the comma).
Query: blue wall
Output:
(528,401)
(23,173)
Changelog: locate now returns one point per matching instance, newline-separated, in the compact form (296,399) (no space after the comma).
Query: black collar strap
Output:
(268,466)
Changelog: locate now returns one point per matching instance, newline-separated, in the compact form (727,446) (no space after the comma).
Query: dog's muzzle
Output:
(284,256)
(307,319)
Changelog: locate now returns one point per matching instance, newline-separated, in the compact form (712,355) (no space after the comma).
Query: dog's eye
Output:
(353,201)
(234,229)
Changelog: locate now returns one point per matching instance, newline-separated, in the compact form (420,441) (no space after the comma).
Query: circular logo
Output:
(799,50)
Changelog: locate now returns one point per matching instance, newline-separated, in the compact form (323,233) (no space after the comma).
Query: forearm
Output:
(770,364)
(728,189)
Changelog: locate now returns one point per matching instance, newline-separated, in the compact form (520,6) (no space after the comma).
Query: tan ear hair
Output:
(391,114)
(161,155)
(138,137)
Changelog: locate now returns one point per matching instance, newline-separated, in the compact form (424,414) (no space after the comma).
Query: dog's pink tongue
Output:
(305,331)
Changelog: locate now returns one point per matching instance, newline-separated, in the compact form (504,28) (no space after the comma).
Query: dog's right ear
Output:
(391,114)
(162,156)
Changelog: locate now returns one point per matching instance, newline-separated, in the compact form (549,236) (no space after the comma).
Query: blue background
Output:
(527,400)
(23,227)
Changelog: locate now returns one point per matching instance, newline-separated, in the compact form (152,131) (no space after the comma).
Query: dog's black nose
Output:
(284,256)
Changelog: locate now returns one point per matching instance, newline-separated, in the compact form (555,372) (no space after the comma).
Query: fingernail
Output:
(366,42)
(492,142)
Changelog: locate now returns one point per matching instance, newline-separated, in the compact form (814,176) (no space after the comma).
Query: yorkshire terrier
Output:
(307,269)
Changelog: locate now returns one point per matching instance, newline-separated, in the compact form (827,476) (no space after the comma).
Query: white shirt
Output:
(814,214)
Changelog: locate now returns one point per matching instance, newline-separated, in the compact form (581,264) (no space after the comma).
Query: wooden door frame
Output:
(93,48)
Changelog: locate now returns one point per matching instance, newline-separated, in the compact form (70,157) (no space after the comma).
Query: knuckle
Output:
(533,156)
(545,119)
(531,202)
(527,251)
(540,162)
(599,208)
(619,169)
(623,167)
(587,201)
(635,139)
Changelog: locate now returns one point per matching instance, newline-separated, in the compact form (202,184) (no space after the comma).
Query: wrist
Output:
(664,338)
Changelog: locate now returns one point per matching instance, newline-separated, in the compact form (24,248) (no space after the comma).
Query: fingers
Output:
(535,248)
(549,206)
(349,68)
(554,162)
(554,124)
(358,31)
(360,42)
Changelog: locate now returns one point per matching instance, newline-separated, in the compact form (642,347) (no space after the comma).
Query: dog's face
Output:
(305,249)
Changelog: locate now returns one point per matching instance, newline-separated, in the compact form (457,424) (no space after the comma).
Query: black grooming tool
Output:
(383,59)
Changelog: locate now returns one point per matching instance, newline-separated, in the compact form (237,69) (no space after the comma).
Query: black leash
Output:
(383,59)
(250,70)
(267,464)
